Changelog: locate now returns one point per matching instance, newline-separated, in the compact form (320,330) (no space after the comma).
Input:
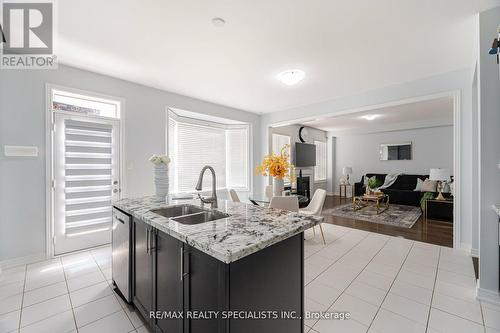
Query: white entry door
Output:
(86,173)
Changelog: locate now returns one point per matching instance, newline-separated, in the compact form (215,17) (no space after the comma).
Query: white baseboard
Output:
(330,194)
(488,296)
(9,263)
(474,253)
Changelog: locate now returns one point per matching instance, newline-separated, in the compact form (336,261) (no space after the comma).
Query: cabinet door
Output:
(168,281)
(143,268)
(204,289)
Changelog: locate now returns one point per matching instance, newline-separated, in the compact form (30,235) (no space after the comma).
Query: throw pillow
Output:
(366,179)
(429,186)
(419,185)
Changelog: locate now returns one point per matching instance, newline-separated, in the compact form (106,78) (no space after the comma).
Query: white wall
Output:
(456,81)
(293,132)
(432,148)
(489,157)
(22,122)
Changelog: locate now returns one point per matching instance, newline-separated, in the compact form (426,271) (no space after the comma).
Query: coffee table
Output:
(380,202)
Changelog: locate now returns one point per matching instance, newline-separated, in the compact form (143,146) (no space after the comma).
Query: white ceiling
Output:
(437,112)
(343,46)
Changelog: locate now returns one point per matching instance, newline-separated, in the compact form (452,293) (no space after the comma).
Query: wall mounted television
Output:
(305,155)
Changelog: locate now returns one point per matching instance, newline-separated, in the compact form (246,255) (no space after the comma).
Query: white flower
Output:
(160,159)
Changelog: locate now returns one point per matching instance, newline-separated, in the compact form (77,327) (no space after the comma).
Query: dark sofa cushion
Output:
(378,176)
(406,182)
(403,197)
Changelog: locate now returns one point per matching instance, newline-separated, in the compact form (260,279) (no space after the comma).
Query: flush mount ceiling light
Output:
(291,76)
(370,116)
(218,22)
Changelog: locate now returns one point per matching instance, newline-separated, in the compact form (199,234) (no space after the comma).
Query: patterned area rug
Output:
(397,215)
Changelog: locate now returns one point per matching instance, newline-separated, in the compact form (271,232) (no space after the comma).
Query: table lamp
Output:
(346,171)
(442,176)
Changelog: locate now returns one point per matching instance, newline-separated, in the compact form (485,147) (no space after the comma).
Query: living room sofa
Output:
(401,192)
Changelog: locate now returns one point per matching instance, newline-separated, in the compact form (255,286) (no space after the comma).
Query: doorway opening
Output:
(84,168)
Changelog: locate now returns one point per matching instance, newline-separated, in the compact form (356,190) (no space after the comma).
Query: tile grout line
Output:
(333,263)
(109,314)
(482,316)
(51,284)
(69,296)
(325,246)
(22,298)
(392,283)
(343,291)
(112,291)
(433,291)
(68,292)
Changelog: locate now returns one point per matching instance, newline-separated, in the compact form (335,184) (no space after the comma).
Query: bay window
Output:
(194,143)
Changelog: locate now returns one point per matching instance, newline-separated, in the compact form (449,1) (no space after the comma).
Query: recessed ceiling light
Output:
(218,22)
(370,116)
(291,76)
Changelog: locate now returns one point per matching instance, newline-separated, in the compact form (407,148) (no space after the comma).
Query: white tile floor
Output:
(391,284)
(388,285)
(68,294)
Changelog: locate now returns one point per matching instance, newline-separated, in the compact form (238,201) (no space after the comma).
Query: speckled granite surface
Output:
(249,228)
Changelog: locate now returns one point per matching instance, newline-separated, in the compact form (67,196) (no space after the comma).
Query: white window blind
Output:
(192,146)
(237,158)
(279,141)
(320,168)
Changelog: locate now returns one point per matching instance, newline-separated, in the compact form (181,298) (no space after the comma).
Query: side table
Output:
(345,186)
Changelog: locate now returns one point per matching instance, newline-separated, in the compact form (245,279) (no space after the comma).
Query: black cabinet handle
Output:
(147,241)
(152,241)
(182,263)
(119,219)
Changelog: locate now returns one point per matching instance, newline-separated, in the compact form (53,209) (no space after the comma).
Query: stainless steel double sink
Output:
(190,214)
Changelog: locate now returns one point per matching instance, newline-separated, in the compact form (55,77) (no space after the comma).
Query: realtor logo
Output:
(28,30)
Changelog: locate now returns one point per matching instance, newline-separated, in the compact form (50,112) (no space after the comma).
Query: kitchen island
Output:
(240,272)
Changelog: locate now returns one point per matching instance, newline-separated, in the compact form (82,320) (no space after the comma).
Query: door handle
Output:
(119,219)
(147,241)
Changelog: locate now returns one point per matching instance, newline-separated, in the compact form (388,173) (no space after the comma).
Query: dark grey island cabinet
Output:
(172,279)
(142,267)
(240,272)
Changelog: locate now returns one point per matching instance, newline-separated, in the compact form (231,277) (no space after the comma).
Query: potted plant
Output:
(161,163)
(373,183)
(278,167)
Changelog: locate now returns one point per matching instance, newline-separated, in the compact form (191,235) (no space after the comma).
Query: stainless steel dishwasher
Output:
(122,249)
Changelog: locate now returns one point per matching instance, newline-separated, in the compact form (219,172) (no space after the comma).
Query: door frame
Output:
(49,154)
(456,95)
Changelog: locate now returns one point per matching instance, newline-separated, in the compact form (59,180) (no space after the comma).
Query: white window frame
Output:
(316,180)
(49,149)
(289,143)
(170,113)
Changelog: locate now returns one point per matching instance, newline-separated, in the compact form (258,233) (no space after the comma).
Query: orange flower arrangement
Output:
(277,166)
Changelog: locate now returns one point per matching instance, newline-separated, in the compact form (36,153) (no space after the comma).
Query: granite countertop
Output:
(249,229)
(496,208)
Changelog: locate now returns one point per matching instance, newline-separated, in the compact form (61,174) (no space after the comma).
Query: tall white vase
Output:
(161,180)
(278,186)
